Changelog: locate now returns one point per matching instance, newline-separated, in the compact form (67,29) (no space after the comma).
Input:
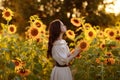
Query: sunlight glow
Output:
(108,1)
(112,6)
(117,7)
(1,7)
(100,7)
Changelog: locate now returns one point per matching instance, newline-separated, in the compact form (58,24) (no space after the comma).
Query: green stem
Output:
(88,72)
(5,28)
(102,69)
(8,23)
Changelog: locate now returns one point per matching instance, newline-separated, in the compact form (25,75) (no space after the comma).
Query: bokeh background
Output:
(101,12)
(93,25)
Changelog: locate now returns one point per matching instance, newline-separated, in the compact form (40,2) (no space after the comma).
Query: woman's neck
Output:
(60,37)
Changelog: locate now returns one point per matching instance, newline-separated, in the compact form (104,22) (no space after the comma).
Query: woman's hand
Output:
(76,51)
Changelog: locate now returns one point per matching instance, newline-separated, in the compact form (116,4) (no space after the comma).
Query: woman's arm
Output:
(59,53)
(73,55)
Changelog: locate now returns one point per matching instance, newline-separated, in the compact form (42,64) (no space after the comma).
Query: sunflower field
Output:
(25,58)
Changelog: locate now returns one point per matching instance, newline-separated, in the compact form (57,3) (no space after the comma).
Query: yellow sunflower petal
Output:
(23,72)
(90,34)
(70,34)
(100,34)
(111,34)
(12,29)
(102,45)
(33,32)
(76,22)
(7,14)
(83,45)
(38,23)
(87,26)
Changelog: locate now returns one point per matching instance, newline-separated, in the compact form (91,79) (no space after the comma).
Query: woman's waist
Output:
(59,65)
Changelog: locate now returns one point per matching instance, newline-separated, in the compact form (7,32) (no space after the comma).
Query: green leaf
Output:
(79,37)
(17,78)
(71,44)
(3,26)
(1,71)
(37,68)
(11,65)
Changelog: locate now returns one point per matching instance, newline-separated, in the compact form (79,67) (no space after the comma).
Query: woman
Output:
(59,51)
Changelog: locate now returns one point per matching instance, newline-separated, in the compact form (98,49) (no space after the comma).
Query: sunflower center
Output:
(22,71)
(118,38)
(11,29)
(42,32)
(90,33)
(34,32)
(103,45)
(117,24)
(38,24)
(101,33)
(109,54)
(27,36)
(76,21)
(7,14)
(83,45)
(70,33)
(118,32)
(111,33)
(38,39)
(16,63)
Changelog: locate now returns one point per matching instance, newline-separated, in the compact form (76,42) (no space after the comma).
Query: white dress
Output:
(60,53)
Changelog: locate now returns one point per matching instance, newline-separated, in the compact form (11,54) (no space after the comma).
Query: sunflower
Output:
(23,72)
(100,34)
(83,45)
(90,34)
(42,32)
(100,60)
(12,29)
(38,23)
(102,45)
(34,32)
(117,24)
(70,34)
(117,38)
(76,21)
(97,28)
(18,62)
(106,30)
(109,61)
(27,35)
(97,60)
(34,17)
(111,34)
(87,26)
(117,31)
(109,54)
(7,14)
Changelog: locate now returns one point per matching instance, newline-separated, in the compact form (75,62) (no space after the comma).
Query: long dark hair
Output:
(54,33)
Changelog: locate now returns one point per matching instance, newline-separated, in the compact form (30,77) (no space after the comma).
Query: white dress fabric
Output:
(60,52)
